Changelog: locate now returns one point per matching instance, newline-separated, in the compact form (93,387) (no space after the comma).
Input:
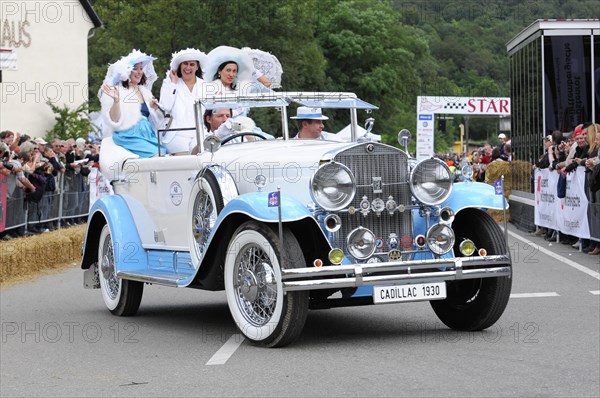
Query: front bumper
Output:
(342,276)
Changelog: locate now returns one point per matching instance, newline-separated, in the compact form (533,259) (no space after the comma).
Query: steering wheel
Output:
(234,136)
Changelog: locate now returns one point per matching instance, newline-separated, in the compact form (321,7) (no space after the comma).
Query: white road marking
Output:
(227,350)
(528,295)
(595,292)
(571,263)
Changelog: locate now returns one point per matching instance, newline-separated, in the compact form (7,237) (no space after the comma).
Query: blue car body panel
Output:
(129,253)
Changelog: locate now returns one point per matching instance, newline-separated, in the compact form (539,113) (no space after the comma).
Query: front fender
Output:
(256,206)
(474,194)
(129,253)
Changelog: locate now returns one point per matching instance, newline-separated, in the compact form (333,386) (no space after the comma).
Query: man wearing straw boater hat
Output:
(310,123)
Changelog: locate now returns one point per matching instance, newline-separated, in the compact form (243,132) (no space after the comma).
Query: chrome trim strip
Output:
(370,268)
(159,280)
(337,283)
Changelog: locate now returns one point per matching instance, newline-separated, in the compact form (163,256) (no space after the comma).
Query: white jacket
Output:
(130,109)
(177,100)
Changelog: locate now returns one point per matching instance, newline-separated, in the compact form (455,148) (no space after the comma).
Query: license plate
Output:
(416,292)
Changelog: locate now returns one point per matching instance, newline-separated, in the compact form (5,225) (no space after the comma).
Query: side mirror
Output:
(404,138)
(212,143)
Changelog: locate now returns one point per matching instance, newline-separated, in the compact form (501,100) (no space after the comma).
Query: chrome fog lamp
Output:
(467,247)
(332,186)
(336,256)
(440,239)
(361,243)
(431,181)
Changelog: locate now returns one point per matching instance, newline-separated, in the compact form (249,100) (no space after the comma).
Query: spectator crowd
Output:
(565,154)
(44,182)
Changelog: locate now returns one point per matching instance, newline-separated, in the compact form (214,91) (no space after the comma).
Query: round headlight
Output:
(431,181)
(361,243)
(440,239)
(332,186)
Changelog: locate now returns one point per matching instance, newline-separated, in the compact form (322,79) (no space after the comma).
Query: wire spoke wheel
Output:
(207,205)
(253,264)
(122,297)
(255,285)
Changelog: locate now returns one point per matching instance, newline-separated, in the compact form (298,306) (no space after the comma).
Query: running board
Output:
(158,278)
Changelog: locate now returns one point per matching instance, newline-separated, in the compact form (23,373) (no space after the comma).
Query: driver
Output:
(214,118)
(236,126)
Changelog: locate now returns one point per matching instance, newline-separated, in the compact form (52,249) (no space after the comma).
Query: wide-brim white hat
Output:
(305,112)
(121,70)
(189,54)
(225,53)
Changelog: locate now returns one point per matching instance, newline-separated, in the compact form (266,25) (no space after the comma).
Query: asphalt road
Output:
(57,339)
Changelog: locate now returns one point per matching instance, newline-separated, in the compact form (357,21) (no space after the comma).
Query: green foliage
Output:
(69,123)
(388,52)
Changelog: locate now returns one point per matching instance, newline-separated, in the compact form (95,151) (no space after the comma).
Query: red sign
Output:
(489,105)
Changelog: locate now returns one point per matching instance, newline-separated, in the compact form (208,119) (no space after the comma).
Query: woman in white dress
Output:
(180,89)
(129,110)
(230,71)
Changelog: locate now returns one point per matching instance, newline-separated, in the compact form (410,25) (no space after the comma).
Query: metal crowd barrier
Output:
(68,203)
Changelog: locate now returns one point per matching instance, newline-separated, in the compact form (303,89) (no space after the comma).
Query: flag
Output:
(273,199)
(498,187)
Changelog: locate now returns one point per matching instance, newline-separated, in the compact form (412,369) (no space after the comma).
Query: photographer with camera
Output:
(12,163)
(11,166)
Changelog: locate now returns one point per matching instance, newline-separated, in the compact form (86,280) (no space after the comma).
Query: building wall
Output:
(51,40)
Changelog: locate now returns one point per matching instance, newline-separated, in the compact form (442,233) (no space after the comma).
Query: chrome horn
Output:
(446,215)
(333,223)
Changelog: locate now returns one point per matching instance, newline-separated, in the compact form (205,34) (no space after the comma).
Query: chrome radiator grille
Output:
(390,165)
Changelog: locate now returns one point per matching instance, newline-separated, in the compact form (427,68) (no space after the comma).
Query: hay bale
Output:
(24,258)
(494,172)
(520,175)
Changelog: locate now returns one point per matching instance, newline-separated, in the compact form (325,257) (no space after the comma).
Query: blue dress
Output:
(140,139)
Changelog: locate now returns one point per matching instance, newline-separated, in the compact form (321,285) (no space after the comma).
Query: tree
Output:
(69,123)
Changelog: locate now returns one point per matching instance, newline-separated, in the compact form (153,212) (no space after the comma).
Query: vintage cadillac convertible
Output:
(286,225)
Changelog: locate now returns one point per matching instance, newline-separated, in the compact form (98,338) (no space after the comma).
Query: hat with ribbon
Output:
(304,112)
(189,54)
(121,70)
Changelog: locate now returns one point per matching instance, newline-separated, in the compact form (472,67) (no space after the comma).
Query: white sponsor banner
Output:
(428,107)
(425,137)
(567,215)
(545,198)
(99,186)
(572,209)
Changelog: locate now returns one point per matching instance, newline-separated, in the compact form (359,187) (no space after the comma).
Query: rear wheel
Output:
(122,297)
(475,304)
(262,311)
(207,206)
